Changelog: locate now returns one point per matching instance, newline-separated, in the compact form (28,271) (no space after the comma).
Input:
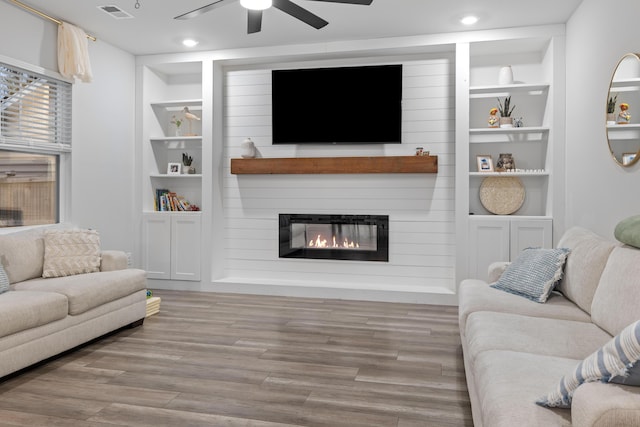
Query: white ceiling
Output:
(153,30)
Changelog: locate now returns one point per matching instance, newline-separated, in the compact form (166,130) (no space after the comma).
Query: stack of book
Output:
(168,201)
(153,306)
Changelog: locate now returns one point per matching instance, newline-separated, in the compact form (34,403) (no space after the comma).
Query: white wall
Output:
(420,207)
(103,148)
(599,192)
(103,125)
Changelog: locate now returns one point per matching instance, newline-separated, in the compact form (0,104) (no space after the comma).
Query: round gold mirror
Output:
(623,124)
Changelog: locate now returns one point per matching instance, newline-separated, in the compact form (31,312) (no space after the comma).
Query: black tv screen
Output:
(344,105)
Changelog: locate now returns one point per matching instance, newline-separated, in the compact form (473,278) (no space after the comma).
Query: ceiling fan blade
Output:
(204,9)
(300,13)
(362,2)
(254,21)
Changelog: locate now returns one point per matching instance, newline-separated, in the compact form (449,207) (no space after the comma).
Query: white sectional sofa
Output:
(516,350)
(42,317)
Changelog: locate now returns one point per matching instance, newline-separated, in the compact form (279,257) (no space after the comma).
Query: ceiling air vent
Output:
(115,12)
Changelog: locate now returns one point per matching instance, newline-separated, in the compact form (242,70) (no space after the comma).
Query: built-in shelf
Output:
(336,165)
(529,129)
(485,174)
(629,126)
(492,90)
(179,103)
(175,138)
(181,176)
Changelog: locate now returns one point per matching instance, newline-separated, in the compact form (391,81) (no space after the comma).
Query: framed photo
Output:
(485,163)
(627,158)
(174,168)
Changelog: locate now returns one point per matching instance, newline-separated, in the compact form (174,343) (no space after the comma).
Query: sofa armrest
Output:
(605,405)
(496,269)
(113,260)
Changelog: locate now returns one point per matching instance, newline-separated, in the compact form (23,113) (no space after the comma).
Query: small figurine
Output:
(494,120)
(518,123)
(190,117)
(624,116)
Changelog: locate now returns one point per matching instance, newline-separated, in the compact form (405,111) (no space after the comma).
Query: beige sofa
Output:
(517,350)
(42,317)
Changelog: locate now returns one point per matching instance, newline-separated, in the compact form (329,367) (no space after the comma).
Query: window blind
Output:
(35,112)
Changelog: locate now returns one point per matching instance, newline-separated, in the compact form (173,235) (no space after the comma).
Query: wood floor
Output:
(234,360)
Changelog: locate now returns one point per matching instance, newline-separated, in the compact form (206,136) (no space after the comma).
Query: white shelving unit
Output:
(171,240)
(502,237)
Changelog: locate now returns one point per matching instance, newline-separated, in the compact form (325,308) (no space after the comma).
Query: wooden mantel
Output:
(336,165)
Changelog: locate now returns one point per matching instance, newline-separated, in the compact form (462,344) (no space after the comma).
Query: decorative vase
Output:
(611,119)
(505,76)
(248,149)
(506,122)
(178,133)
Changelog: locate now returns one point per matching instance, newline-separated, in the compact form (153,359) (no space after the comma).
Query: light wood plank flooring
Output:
(255,361)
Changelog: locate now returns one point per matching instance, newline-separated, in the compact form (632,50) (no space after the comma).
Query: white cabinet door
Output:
(185,247)
(489,242)
(156,246)
(503,239)
(529,233)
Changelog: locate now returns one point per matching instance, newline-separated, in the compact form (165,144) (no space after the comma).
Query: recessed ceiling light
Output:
(469,20)
(256,4)
(190,42)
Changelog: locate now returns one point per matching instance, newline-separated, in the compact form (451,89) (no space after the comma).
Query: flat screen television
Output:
(342,105)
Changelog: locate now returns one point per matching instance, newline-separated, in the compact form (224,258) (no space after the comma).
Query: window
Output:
(35,134)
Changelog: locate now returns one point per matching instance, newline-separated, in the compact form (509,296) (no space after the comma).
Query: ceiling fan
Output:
(256,7)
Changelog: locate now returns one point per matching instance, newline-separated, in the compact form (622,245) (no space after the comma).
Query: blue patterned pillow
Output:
(613,362)
(4,280)
(534,273)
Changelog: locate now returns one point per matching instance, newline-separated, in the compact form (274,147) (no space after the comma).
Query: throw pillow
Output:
(613,362)
(628,231)
(534,273)
(4,280)
(69,252)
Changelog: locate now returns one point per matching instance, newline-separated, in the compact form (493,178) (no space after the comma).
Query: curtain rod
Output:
(43,15)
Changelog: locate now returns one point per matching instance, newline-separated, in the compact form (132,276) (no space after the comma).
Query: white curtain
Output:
(73,53)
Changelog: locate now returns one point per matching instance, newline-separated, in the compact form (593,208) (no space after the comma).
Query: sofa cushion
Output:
(612,360)
(22,254)
(628,231)
(551,337)
(615,303)
(476,295)
(582,271)
(69,252)
(20,311)
(87,291)
(4,280)
(534,273)
(508,384)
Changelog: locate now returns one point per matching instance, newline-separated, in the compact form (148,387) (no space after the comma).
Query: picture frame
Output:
(174,168)
(627,158)
(485,163)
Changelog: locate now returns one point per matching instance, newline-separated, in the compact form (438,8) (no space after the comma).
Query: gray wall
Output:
(103,126)
(599,192)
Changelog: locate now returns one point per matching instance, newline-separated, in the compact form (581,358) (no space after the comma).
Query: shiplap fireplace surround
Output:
(419,204)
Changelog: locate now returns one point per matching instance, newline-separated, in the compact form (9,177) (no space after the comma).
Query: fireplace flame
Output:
(321,242)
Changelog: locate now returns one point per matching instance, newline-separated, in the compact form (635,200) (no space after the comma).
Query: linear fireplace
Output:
(340,237)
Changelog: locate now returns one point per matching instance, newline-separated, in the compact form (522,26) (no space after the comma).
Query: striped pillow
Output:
(534,273)
(616,361)
(4,280)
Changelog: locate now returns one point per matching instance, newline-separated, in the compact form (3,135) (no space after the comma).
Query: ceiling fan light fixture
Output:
(256,4)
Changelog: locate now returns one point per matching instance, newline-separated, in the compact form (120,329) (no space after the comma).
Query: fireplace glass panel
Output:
(339,237)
